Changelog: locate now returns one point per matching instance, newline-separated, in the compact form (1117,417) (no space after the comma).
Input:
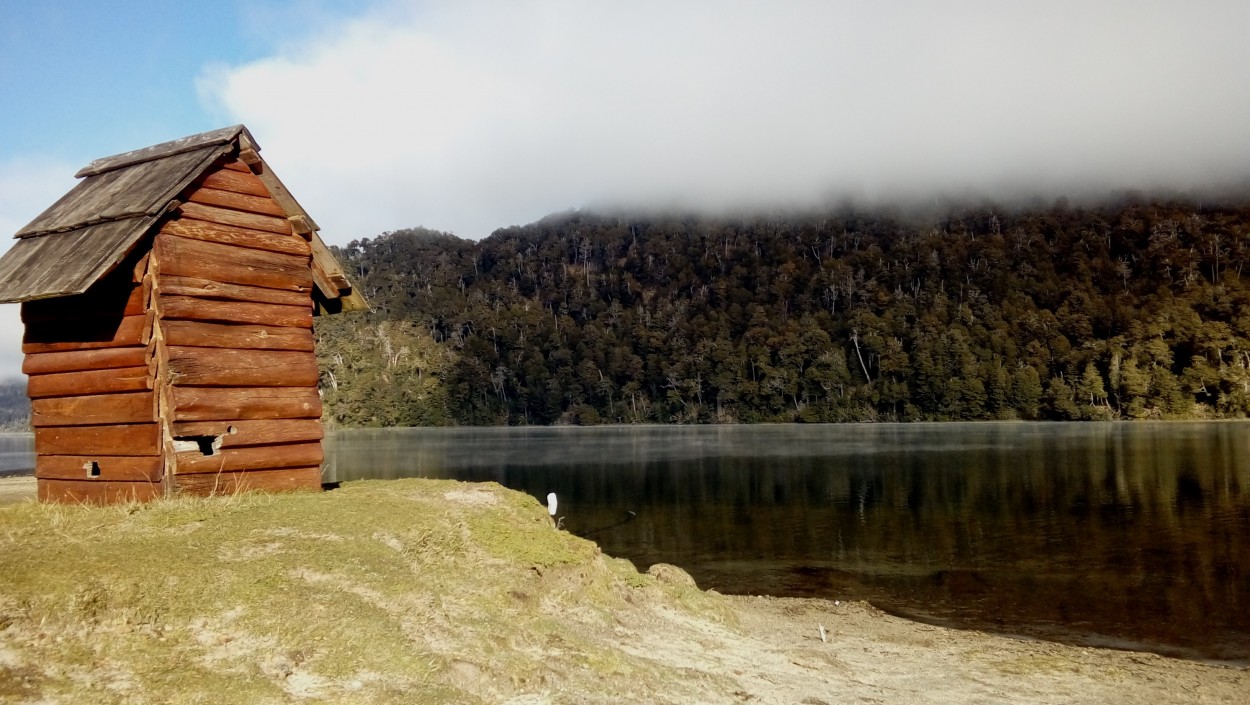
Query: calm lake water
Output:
(17,453)
(1135,535)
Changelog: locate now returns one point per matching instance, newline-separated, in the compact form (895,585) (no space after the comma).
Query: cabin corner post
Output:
(163,398)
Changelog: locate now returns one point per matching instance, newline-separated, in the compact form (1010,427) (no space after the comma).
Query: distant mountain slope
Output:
(1129,310)
(14,406)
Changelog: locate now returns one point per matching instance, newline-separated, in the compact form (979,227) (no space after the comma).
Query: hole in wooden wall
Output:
(92,468)
(206,445)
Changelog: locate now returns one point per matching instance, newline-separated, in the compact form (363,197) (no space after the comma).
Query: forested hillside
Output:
(1132,310)
(14,406)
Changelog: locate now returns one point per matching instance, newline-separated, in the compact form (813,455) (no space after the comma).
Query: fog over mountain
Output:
(469,116)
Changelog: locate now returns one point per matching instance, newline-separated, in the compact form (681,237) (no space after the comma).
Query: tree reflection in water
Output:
(1129,534)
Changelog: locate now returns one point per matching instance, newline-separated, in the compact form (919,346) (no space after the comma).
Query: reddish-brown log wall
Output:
(235,350)
(190,368)
(93,408)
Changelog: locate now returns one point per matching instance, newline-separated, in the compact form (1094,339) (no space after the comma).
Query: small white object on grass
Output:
(822,633)
(551,503)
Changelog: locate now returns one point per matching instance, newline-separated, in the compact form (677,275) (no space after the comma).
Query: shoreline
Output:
(468,584)
(16,488)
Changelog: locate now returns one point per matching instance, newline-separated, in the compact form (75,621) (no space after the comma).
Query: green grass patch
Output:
(414,591)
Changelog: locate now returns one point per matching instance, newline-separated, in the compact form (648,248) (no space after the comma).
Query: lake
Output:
(1133,535)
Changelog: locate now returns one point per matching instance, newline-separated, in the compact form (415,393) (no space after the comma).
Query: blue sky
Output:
(469,115)
(78,76)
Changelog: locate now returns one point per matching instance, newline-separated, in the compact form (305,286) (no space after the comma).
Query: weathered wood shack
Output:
(168,303)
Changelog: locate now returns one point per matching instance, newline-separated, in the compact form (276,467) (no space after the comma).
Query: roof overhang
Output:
(121,198)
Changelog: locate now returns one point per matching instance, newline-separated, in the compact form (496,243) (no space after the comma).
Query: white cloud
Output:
(467,116)
(28,185)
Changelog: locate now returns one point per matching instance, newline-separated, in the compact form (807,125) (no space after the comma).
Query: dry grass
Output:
(399,591)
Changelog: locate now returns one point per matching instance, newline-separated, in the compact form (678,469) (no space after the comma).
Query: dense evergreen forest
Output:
(1131,310)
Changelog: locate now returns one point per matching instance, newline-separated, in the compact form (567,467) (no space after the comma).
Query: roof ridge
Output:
(166,149)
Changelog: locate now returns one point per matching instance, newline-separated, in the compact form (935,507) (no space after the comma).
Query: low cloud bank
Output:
(470,116)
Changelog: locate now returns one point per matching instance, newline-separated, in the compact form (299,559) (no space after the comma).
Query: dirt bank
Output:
(441,592)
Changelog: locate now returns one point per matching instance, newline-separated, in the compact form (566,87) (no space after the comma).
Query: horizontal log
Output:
(196,309)
(120,439)
(237,181)
(225,216)
(75,360)
(261,205)
(244,337)
(99,468)
(108,304)
(97,410)
(51,337)
(224,403)
(239,237)
(97,491)
(209,289)
(228,483)
(65,384)
(252,458)
(243,433)
(237,165)
(187,257)
(224,367)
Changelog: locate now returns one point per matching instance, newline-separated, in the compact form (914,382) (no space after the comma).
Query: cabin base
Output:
(101,492)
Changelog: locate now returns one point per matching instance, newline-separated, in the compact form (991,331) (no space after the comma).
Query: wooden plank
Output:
(186,257)
(96,410)
(251,458)
(242,433)
(243,337)
(241,219)
(237,165)
(279,192)
(94,304)
(97,491)
(196,309)
(223,403)
(327,289)
(140,269)
(224,367)
(244,181)
(324,260)
(126,379)
(228,483)
(75,360)
(239,237)
(120,439)
(348,299)
(260,205)
(107,467)
(86,335)
(209,289)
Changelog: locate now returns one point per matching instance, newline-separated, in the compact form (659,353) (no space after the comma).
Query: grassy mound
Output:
(379,592)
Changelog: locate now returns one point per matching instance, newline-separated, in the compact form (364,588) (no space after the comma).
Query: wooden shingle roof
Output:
(86,233)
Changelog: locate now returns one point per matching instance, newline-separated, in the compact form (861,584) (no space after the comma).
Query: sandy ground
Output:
(16,489)
(776,655)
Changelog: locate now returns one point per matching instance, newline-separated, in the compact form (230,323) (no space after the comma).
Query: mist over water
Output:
(1132,534)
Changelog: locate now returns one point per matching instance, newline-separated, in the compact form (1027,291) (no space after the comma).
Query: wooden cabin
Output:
(168,303)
